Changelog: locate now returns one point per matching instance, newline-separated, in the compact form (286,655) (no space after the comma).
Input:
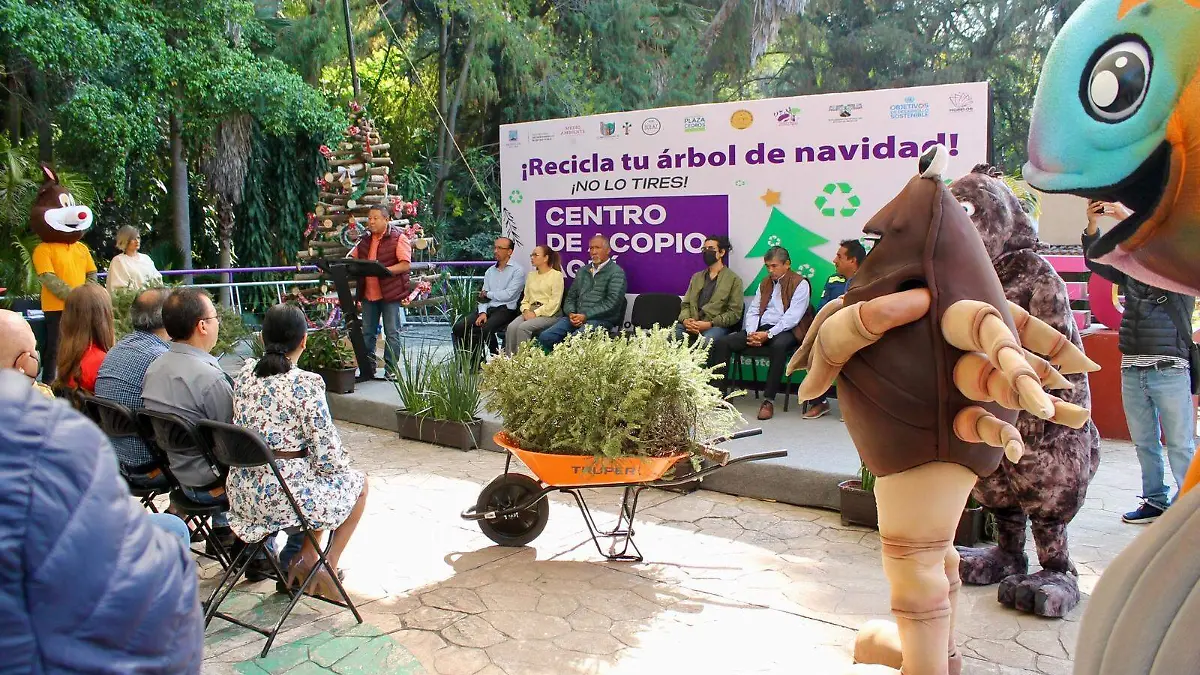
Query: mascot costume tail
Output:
(933,364)
(61,261)
(1117,118)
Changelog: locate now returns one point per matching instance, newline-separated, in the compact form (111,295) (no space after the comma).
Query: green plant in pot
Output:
(329,355)
(858,499)
(643,397)
(440,395)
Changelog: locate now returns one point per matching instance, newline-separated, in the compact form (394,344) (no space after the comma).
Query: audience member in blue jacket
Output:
(88,584)
(849,256)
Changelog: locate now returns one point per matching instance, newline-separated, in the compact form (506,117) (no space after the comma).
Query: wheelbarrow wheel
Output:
(522,527)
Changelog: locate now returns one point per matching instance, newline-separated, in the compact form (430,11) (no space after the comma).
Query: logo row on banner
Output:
(747,117)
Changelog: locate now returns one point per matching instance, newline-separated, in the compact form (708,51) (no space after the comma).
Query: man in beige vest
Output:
(776,319)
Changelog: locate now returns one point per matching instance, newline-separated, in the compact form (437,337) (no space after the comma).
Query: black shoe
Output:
(225,536)
(260,569)
(1146,513)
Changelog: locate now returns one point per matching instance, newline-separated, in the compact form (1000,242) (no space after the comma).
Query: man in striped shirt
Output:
(1156,388)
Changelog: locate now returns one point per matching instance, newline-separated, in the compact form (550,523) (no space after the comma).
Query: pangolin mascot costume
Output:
(932,364)
(1117,118)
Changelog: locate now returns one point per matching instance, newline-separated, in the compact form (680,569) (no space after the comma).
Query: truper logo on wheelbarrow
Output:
(602,469)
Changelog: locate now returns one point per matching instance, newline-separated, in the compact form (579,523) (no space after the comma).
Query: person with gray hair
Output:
(120,380)
(130,269)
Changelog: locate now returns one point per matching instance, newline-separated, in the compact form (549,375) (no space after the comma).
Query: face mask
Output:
(710,257)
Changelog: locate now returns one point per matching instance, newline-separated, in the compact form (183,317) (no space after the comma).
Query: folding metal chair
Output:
(117,421)
(236,446)
(166,433)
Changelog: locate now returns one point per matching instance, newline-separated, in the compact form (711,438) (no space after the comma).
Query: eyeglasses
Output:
(214,317)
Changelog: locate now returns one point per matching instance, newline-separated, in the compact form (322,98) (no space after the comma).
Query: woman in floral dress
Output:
(287,407)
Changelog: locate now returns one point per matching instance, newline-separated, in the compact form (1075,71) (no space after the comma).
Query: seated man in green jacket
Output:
(594,299)
(713,304)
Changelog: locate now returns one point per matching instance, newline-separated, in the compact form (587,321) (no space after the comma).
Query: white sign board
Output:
(802,172)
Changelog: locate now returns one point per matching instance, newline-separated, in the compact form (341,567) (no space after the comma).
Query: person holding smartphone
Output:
(1156,388)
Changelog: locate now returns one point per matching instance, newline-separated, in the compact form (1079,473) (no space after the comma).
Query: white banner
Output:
(802,172)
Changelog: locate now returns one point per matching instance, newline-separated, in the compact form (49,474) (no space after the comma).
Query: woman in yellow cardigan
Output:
(542,304)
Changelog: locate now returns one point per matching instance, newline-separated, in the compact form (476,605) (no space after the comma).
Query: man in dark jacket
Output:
(87,583)
(1155,376)
(594,298)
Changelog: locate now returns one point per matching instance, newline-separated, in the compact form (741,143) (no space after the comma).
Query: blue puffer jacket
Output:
(87,583)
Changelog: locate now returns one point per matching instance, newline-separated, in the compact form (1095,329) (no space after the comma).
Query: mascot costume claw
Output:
(933,364)
(1049,484)
(1117,117)
(61,261)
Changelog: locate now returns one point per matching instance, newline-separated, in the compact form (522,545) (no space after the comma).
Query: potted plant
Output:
(441,398)
(596,407)
(328,355)
(971,525)
(858,499)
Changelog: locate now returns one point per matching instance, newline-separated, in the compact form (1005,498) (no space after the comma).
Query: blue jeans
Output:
(560,330)
(202,497)
(713,334)
(173,525)
(372,311)
(1159,401)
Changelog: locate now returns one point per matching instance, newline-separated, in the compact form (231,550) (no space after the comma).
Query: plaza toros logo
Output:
(910,109)
(514,138)
(962,102)
(651,126)
(742,119)
(572,130)
(845,112)
(694,123)
(788,117)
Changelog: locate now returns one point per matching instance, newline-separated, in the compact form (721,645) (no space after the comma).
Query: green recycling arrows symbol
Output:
(823,202)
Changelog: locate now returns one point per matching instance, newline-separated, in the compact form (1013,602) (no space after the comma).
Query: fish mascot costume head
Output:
(1117,118)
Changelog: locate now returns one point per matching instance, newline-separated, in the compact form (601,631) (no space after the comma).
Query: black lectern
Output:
(340,270)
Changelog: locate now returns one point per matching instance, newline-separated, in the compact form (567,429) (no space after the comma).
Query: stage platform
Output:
(820,452)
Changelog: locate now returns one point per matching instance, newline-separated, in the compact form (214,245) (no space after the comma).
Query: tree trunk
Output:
(439,192)
(16,103)
(180,216)
(41,117)
(225,255)
(718,24)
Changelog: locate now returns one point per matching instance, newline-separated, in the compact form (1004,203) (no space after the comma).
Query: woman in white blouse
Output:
(130,269)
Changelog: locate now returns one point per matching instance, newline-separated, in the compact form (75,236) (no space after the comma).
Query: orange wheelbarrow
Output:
(512,510)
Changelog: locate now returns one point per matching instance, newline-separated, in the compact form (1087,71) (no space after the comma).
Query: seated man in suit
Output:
(594,299)
(775,320)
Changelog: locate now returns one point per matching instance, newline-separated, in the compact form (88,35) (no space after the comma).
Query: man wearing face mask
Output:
(18,348)
(776,319)
(713,303)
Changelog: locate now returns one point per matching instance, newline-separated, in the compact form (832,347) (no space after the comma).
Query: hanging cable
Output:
(412,66)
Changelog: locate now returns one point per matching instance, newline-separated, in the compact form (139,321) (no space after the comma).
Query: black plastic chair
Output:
(617,328)
(651,309)
(235,446)
(117,421)
(166,433)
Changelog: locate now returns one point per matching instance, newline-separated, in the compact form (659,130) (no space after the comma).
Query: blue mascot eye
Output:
(1116,86)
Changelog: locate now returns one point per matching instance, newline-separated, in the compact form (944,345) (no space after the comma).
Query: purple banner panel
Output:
(656,240)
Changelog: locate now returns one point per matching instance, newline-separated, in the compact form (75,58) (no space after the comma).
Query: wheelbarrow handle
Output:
(753,457)
(744,433)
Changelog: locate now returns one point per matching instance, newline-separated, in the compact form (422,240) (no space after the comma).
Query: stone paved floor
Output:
(730,585)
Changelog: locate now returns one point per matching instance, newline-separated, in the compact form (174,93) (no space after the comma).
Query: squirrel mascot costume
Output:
(932,364)
(61,261)
(1117,118)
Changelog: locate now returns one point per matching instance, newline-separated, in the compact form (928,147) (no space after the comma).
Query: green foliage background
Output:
(93,86)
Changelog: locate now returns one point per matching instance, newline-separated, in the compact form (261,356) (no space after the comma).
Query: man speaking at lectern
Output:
(380,297)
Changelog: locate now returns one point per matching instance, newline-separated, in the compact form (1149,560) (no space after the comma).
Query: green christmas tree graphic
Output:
(799,241)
